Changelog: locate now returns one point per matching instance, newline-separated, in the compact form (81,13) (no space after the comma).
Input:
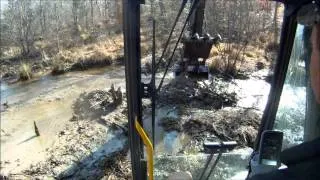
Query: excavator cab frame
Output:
(136,90)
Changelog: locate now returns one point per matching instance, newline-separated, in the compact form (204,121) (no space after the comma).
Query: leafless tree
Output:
(58,21)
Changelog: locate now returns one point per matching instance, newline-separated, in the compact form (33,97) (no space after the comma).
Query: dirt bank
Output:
(99,54)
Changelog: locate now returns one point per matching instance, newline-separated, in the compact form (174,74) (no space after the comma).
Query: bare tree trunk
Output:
(162,7)
(75,7)
(91,7)
(57,25)
(20,30)
(86,18)
(25,34)
(44,18)
(119,12)
(275,23)
(41,17)
(105,8)
(99,9)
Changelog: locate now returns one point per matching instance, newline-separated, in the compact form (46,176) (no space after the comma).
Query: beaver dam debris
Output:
(94,104)
(239,125)
(206,111)
(183,91)
(227,124)
(171,124)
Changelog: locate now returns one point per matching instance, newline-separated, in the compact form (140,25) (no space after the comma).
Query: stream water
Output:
(24,91)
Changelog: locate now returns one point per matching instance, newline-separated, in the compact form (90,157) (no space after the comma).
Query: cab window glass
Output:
(298,112)
(292,107)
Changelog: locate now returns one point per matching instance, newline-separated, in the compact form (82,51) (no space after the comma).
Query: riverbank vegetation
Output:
(61,36)
(58,36)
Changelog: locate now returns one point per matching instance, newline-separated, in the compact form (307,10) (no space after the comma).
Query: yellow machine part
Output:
(149,146)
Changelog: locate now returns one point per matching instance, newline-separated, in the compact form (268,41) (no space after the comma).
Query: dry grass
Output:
(250,54)
(231,58)
(41,44)
(58,67)
(86,38)
(227,59)
(216,65)
(25,72)
(97,51)
(145,48)
(92,55)
(253,52)
(272,46)
(8,52)
(263,40)
(214,52)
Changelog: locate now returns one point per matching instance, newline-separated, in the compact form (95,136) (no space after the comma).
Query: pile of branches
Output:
(97,103)
(239,125)
(183,91)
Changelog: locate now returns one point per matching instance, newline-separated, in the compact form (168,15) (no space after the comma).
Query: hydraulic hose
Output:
(194,5)
(184,2)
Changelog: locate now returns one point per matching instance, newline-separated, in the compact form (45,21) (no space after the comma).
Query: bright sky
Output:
(3,5)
